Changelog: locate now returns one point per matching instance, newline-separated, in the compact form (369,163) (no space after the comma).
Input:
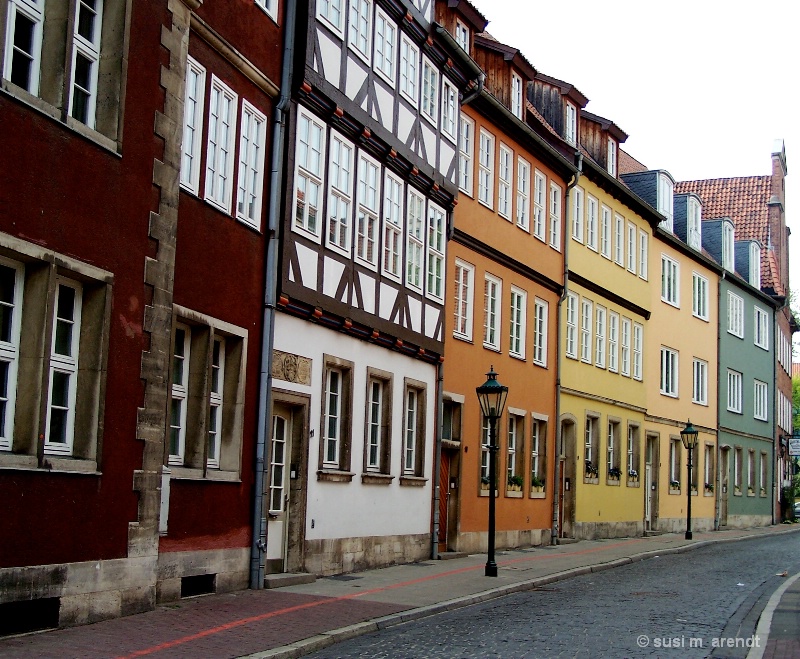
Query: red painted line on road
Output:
(332,600)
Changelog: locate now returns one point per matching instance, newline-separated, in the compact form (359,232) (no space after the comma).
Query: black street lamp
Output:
(689,438)
(492,396)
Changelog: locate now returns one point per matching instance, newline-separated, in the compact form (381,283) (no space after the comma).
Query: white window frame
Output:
(577,213)
(88,49)
(665,201)
(523,209)
(505,174)
(359,28)
(252,149)
(699,381)
(760,328)
(643,254)
(179,392)
(376,388)
(220,145)
(571,339)
(409,70)
(605,231)
(466,150)
(330,11)
(540,320)
(368,201)
(517,322)
(464,297)
(592,221)
(539,202)
(755,265)
(570,123)
(638,346)
(670,281)
(392,234)
(600,337)
(587,318)
(492,301)
(613,342)
(415,238)
(517,97)
(735,315)
(631,248)
(486,168)
(625,347)
(611,157)
(669,372)
(728,247)
(270,7)
(194,101)
(9,351)
(619,240)
(215,407)
(385,46)
(760,400)
(341,178)
(429,101)
(694,236)
(309,169)
(734,391)
(437,227)
(333,409)
(700,296)
(410,431)
(33,10)
(449,109)
(555,216)
(462,35)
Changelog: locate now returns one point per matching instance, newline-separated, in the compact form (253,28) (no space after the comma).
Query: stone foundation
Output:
(478,542)
(678,524)
(340,555)
(598,530)
(748,521)
(231,567)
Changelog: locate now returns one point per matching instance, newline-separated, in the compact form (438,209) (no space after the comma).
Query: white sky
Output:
(702,87)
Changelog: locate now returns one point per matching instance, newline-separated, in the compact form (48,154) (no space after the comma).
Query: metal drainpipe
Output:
(557,486)
(718,478)
(775,426)
(259,543)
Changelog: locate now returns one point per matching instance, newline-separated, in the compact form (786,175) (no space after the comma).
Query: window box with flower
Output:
(674,487)
(708,489)
(590,472)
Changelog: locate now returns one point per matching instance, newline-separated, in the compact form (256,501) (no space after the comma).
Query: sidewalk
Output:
(295,620)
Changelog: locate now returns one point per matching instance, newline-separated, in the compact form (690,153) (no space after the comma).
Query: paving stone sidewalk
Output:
(295,620)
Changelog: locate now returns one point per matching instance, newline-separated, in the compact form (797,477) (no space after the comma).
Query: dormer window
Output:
(516,95)
(611,160)
(665,200)
(755,265)
(694,236)
(571,124)
(462,35)
(727,246)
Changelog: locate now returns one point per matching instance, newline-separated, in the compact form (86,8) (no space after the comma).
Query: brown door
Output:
(723,486)
(444,497)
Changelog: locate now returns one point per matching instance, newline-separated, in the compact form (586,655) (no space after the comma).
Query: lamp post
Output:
(492,397)
(689,439)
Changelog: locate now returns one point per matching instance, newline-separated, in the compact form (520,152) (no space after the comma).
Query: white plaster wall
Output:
(342,510)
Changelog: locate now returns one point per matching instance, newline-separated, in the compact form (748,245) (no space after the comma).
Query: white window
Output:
(523,194)
(504,184)
(392,227)
(462,35)
(734,391)
(340,193)
(670,281)
(24,44)
(619,240)
(277,464)
(449,109)
(517,97)
(700,382)
(359,27)
(486,168)
(385,46)
(600,337)
(430,90)
(464,281)
(675,462)
(376,418)
(760,401)
(605,231)
(694,236)
(613,342)
(466,147)
(519,307)
(664,200)
(180,388)
(669,372)
(735,315)
(333,421)
(192,124)
(571,124)
(643,256)
(269,6)
(251,165)
(761,328)
(555,216)
(638,343)
(215,402)
(308,178)
(485,444)
(755,265)
(219,151)
(631,247)
(369,184)
(611,158)
(331,11)
(515,425)
(537,451)
(572,326)
(409,67)
(540,333)
(85,60)
(411,432)
(415,224)
(539,184)
(491,312)
(699,296)
(727,246)
(586,331)
(11,288)
(625,347)
(63,367)
(436,228)
(591,222)
(577,214)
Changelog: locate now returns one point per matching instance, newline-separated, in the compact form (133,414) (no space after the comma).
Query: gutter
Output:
(718,486)
(558,486)
(259,540)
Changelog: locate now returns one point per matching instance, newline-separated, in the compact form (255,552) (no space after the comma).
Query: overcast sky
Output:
(702,87)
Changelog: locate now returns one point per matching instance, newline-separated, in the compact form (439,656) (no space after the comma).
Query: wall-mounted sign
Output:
(794,445)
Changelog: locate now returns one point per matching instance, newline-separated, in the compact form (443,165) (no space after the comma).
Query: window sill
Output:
(514,494)
(192,474)
(537,495)
(462,337)
(54,465)
(485,493)
(591,481)
(675,491)
(708,494)
(335,476)
(612,481)
(223,476)
(376,479)
(634,484)
(413,481)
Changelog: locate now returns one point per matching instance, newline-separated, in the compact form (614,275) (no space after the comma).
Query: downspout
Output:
(775,427)
(718,487)
(558,492)
(259,543)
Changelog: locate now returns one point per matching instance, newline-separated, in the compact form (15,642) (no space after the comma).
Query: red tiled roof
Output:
(627,164)
(795,370)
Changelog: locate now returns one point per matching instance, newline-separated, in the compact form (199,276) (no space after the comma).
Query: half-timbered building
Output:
(372,179)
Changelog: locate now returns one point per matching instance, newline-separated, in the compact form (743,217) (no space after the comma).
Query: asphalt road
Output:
(702,603)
